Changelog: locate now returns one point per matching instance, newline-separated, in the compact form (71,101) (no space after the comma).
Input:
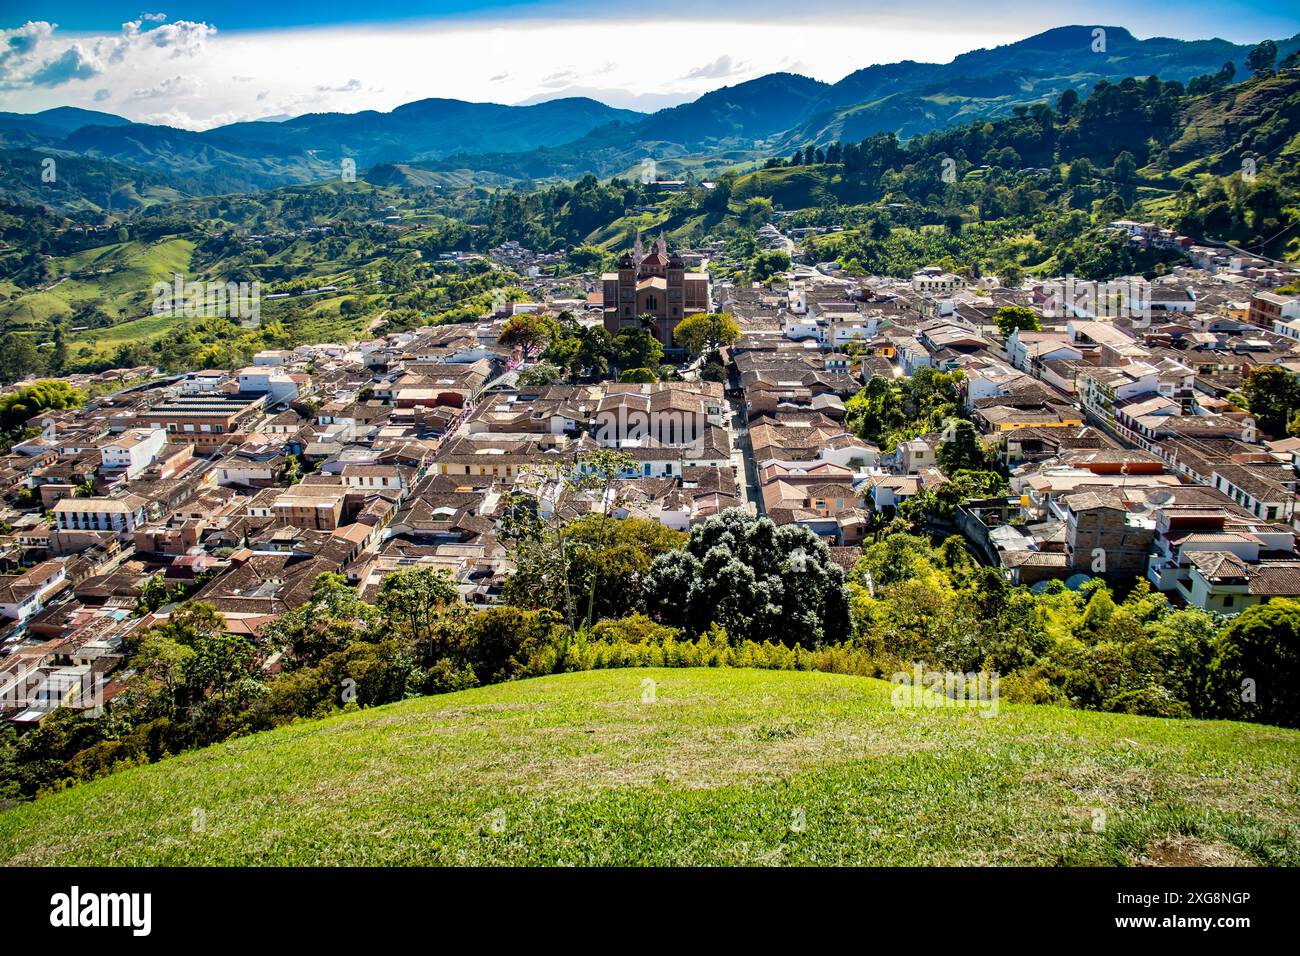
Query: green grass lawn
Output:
(721,767)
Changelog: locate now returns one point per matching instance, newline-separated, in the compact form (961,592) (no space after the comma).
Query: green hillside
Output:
(118,278)
(720,767)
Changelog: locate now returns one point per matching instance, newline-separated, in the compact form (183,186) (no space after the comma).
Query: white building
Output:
(119,515)
(932,279)
(270,381)
(21,595)
(133,451)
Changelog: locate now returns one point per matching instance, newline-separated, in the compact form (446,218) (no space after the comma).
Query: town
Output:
(1116,419)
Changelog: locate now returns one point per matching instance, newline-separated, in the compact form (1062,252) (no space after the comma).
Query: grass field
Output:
(721,767)
(118,278)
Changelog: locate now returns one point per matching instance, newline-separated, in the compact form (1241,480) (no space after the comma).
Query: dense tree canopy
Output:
(757,580)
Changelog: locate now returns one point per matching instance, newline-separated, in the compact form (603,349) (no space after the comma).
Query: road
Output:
(742,457)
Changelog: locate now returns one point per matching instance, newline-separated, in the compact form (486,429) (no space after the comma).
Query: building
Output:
(1268,309)
(120,516)
(133,451)
(1103,537)
(656,285)
(933,279)
(310,506)
(207,421)
(21,594)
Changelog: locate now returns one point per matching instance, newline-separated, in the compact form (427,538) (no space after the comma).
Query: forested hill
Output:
(907,99)
(489,144)
(1219,164)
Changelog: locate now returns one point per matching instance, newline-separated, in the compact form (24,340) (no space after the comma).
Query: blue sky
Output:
(1231,19)
(197,65)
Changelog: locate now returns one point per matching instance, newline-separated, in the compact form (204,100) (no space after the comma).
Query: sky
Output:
(197,65)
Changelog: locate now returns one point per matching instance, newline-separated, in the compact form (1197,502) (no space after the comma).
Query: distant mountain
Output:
(58,122)
(741,114)
(84,185)
(782,112)
(910,98)
(212,165)
(488,143)
(742,117)
(259,155)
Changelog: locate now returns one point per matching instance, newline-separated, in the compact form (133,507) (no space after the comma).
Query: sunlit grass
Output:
(685,766)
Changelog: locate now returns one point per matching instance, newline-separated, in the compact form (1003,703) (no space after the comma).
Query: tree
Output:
(507,642)
(1259,664)
(586,258)
(961,449)
(706,332)
(529,331)
(160,665)
(1067,102)
(1262,57)
(332,618)
(155,593)
(541,373)
(768,263)
(30,400)
(1272,395)
(758,581)
(1125,168)
(635,348)
(1185,642)
(1011,318)
(535,525)
(413,602)
(638,376)
(19,357)
(938,506)
(191,665)
(607,559)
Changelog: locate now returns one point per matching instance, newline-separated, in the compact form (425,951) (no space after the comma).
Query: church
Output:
(656,285)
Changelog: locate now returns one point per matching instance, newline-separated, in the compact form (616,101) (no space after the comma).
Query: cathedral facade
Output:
(655,285)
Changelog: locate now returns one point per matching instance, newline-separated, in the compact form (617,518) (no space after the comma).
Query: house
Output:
(131,452)
(22,595)
(120,516)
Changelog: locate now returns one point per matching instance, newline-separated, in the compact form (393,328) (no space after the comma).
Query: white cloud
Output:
(721,68)
(250,75)
(173,87)
(351,86)
(35,56)
(182,38)
(74,63)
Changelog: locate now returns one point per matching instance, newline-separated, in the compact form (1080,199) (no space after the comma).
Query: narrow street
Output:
(742,457)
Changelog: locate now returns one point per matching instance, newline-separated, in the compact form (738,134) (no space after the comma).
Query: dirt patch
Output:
(1190,851)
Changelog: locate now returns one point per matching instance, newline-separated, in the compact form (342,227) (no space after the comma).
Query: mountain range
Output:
(452,142)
